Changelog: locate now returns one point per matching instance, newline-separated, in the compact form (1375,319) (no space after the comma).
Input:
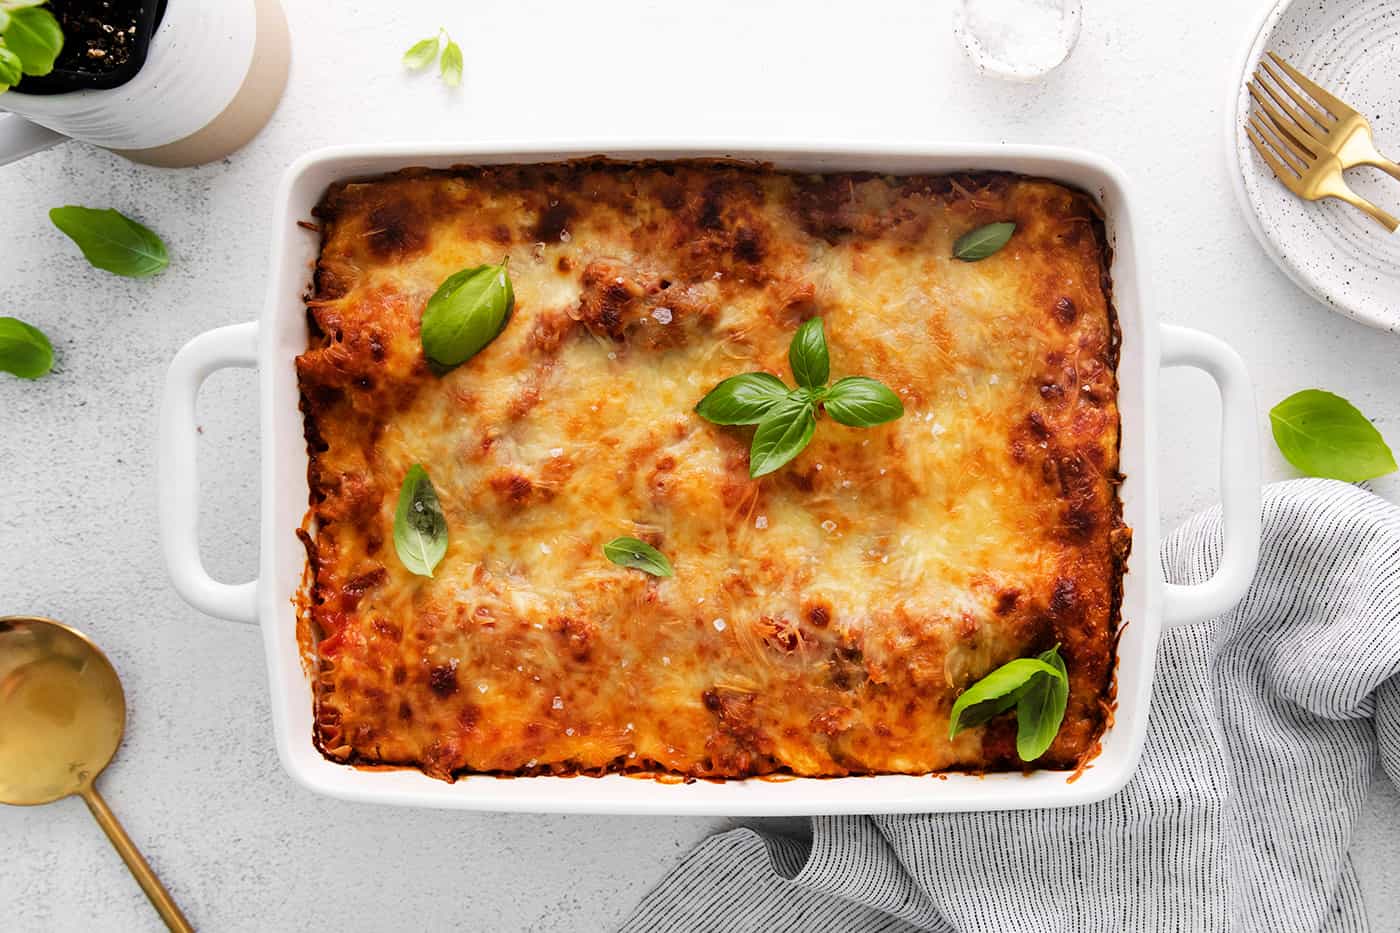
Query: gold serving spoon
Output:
(62,713)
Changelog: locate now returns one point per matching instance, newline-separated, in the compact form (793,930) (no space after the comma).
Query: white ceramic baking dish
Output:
(1149,603)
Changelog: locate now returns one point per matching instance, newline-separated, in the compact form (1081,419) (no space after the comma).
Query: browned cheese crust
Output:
(822,619)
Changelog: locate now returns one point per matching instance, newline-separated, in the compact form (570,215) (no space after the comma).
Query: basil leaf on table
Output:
(983,242)
(742,399)
(637,554)
(24,350)
(34,35)
(1325,435)
(1041,709)
(451,68)
(1011,677)
(808,356)
(420,528)
(862,402)
(782,434)
(112,241)
(421,54)
(467,312)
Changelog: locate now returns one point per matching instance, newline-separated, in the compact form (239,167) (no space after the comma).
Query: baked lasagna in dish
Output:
(822,619)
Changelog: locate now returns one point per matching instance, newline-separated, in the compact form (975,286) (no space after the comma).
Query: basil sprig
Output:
(424,52)
(637,554)
(420,528)
(787,418)
(1325,435)
(1037,687)
(983,242)
(30,40)
(24,350)
(467,312)
(112,241)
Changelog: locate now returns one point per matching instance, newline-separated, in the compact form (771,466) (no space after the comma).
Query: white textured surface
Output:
(197,781)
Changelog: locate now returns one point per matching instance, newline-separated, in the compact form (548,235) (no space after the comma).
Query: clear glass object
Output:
(1019,40)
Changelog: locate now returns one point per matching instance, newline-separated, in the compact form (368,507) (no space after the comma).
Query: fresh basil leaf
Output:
(808,357)
(1325,435)
(1041,709)
(451,68)
(421,54)
(979,713)
(742,399)
(34,35)
(1011,676)
(782,434)
(4,21)
(420,528)
(467,312)
(862,402)
(637,554)
(112,241)
(11,68)
(24,350)
(983,242)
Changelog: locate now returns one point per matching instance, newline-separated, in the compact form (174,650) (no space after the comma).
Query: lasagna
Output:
(821,620)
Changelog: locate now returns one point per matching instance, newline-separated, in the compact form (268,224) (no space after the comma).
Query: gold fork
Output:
(1299,156)
(1336,126)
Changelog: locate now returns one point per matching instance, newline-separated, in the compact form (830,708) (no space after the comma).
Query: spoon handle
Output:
(160,898)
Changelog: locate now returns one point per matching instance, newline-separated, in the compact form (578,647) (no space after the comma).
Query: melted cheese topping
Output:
(822,619)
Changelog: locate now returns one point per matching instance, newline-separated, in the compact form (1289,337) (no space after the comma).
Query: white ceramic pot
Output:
(212,78)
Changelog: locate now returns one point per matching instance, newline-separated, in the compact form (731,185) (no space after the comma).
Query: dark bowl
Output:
(63,80)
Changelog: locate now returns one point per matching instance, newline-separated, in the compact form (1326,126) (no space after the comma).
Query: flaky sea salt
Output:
(719,625)
(556,452)
(545,548)
(938,429)
(558,703)
(761,521)
(569,731)
(828,526)
(482,688)
(662,315)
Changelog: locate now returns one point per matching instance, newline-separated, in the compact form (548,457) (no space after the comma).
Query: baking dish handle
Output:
(236,345)
(1240,492)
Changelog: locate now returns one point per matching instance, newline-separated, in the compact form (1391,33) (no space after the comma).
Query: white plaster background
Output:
(197,781)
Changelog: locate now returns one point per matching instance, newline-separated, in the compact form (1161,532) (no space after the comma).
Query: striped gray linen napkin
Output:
(1265,728)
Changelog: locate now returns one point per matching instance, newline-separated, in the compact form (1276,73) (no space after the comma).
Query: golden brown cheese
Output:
(822,619)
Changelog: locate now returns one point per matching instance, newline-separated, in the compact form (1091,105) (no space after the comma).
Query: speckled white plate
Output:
(1333,251)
